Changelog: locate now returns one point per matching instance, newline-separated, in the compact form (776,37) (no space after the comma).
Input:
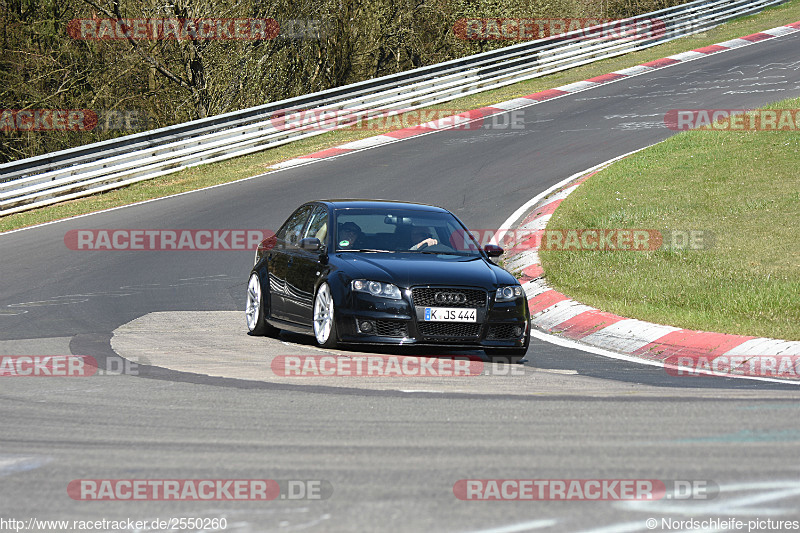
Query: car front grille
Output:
(450,331)
(426,297)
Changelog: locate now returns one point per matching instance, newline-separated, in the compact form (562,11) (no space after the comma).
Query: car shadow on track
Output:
(417,350)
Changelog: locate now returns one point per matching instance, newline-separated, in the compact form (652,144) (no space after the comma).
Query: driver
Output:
(349,236)
(421,236)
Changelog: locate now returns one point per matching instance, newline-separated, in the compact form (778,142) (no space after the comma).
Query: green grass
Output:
(243,167)
(741,186)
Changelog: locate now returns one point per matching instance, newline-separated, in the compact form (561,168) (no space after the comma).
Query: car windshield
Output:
(399,230)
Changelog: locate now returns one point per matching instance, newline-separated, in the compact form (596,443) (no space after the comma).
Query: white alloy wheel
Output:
(253,310)
(324,325)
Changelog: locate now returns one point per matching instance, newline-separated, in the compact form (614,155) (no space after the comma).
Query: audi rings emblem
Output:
(450,298)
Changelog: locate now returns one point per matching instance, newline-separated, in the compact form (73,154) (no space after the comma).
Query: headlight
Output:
(376,288)
(506,294)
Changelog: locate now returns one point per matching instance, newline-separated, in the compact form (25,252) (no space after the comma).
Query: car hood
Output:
(411,269)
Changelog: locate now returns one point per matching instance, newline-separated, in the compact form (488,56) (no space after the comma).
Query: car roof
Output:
(350,203)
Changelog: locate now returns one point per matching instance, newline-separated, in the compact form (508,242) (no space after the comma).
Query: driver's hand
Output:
(430,241)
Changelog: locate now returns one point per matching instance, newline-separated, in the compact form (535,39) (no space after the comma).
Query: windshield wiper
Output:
(365,250)
(465,254)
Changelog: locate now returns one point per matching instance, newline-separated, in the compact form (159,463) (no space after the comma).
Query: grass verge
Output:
(254,164)
(743,187)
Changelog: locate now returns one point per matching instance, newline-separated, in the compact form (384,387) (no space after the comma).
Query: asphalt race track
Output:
(390,455)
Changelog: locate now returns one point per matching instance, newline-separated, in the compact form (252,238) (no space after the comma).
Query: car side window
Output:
(291,230)
(318,224)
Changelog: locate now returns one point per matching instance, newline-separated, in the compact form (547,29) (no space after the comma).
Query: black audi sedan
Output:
(380,272)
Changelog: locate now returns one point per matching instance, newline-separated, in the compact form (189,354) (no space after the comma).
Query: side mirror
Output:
(492,250)
(312,244)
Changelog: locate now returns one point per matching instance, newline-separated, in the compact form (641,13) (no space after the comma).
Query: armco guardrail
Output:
(68,174)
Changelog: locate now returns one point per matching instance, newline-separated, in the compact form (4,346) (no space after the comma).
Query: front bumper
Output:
(366,319)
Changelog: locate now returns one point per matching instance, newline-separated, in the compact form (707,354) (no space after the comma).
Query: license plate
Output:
(450,314)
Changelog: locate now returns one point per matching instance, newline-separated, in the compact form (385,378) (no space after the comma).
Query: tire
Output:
(254,311)
(324,318)
(506,355)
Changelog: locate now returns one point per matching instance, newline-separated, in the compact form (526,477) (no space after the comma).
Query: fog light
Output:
(365,326)
(517,331)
